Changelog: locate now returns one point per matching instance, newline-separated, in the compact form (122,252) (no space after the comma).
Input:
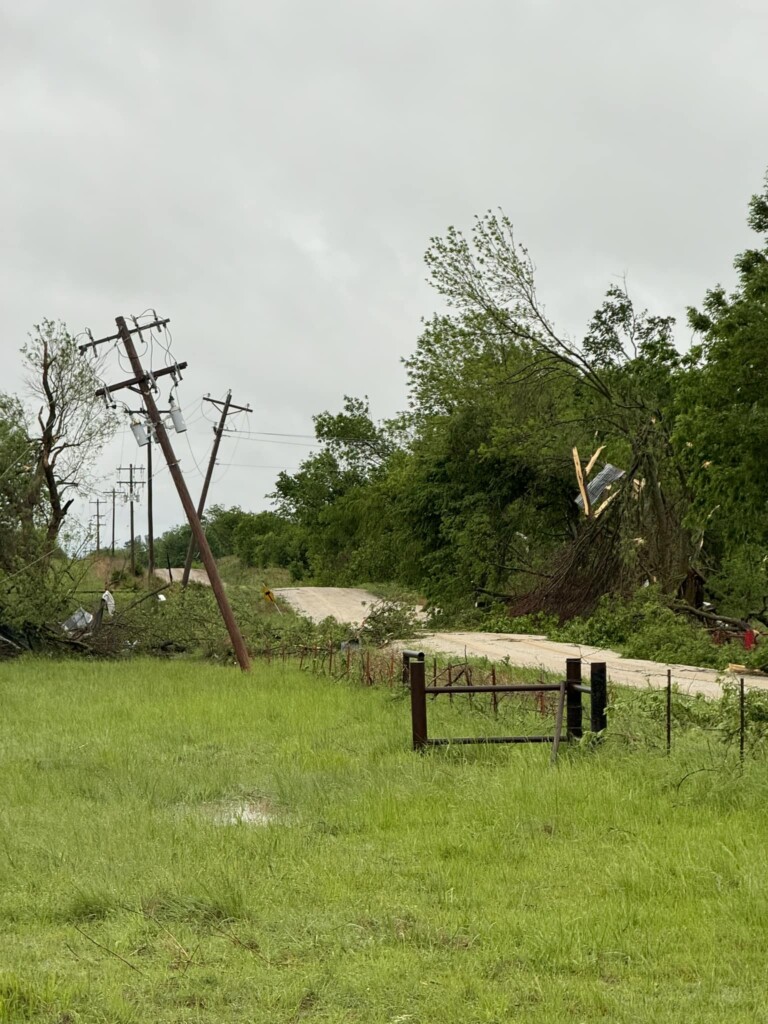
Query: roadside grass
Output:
(395,592)
(473,884)
(235,573)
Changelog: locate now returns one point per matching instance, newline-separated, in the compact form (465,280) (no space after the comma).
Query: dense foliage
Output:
(468,496)
(49,438)
(470,492)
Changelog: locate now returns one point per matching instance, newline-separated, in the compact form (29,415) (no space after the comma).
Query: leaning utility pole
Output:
(227,407)
(144,383)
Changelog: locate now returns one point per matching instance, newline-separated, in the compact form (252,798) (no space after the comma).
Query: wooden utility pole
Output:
(131,483)
(133,532)
(113,521)
(97,517)
(144,383)
(150,521)
(227,407)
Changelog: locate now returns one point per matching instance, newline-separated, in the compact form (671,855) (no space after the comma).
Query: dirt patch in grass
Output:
(253,812)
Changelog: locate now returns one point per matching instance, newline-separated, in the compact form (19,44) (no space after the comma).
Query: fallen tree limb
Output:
(713,617)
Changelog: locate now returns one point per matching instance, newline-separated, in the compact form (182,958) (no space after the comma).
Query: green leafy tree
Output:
(265,539)
(722,430)
(171,546)
(615,388)
(20,518)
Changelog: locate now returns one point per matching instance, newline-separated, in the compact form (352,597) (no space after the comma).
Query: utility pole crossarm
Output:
(231,407)
(114,337)
(132,382)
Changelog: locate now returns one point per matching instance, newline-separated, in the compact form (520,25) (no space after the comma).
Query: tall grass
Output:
(473,884)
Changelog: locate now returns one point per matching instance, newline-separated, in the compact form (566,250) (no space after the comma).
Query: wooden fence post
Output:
(558,722)
(669,710)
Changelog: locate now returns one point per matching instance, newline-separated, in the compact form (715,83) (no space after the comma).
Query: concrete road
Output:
(351,605)
(346,604)
(550,655)
(195,576)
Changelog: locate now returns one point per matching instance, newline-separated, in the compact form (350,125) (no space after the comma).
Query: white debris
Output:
(81,619)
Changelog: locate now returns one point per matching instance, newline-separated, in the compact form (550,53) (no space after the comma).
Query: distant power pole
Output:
(150,523)
(97,517)
(145,383)
(114,492)
(132,484)
(226,408)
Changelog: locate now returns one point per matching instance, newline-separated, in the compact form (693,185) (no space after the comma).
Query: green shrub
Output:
(389,620)
(645,627)
(539,623)
(642,627)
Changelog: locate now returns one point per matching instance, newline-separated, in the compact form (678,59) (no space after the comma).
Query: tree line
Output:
(470,492)
(471,489)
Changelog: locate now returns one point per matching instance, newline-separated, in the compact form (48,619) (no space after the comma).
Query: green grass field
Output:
(467,885)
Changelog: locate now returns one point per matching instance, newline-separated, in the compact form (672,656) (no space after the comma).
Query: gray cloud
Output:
(269,175)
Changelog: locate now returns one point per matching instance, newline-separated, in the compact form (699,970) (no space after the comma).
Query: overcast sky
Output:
(268,174)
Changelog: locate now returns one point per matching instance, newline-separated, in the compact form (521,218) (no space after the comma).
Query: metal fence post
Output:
(669,710)
(573,704)
(598,683)
(558,722)
(742,729)
(418,702)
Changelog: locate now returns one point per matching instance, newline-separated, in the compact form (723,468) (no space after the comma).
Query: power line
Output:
(266,440)
(264,435)
(191,452)
(250,465)
(272,433)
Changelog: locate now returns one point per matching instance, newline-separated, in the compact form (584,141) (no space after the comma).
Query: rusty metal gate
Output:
(570,692)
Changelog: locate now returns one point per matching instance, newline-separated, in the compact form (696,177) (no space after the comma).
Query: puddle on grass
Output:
(237,812)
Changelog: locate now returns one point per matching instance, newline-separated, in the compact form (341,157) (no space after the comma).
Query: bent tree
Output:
(616,387)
